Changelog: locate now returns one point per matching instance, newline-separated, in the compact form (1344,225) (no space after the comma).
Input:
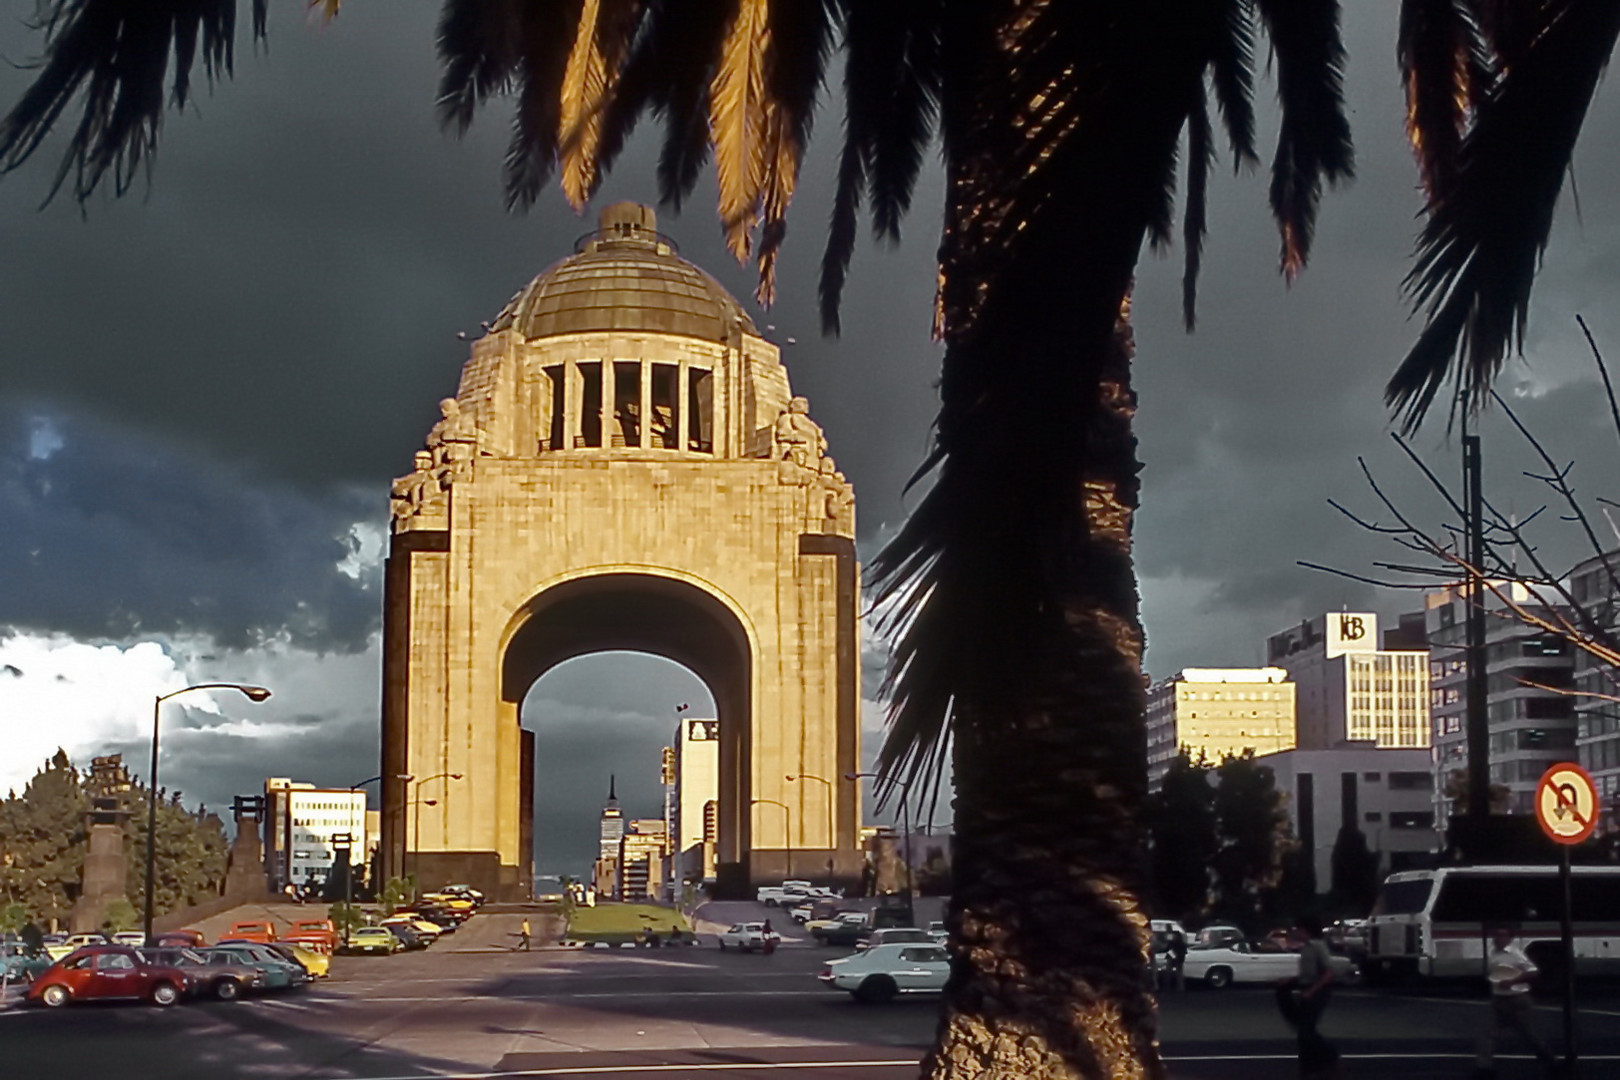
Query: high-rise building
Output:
(612,822)
(1350,690)
(1528,674)
(641,860)
(301,820)
(697,791)
(1597,715)
(1218,711)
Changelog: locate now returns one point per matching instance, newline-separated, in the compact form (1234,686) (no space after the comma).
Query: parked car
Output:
(846,928)
(129,937)
(317,934)
(21,965)
(316,963)
(884,971)
(427,931)
(223,980)
(79,941)
(407,935)
(749,936)
(280,973)
(181,939)
(1216,935)
(371,939)
(895,935)
(465,892)
(104,972)
(937,931)
(259,931)
(1220,966)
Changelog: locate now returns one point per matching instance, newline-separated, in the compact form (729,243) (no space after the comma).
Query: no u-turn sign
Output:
(1567,803)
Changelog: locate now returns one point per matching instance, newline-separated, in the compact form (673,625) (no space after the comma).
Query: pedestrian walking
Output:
(1176,961)
(1510,972)
(1303,999)
(523,935)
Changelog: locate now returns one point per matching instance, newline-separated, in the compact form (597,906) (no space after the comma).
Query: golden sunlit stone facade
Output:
(623,466)
(1216,712)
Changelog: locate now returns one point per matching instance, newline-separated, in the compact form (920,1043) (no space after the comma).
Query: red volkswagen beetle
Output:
(103,972)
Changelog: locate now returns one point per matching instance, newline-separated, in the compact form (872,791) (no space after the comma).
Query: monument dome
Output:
(624,277)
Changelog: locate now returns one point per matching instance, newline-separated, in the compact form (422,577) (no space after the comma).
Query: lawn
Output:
(622,922)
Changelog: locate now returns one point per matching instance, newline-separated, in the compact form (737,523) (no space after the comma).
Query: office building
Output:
(1349,689)
(1528,672)
(641,860)
(610,833)
(1384,793)
(1597,715)
(696,801)
(300,822)
(1218,711)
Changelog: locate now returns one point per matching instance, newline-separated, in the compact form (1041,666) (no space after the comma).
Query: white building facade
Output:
(697,789)
(303,820)
(1593,586)
(1384,793)
(1350,690)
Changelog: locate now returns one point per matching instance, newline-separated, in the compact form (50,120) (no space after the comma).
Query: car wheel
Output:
(55,996)
(722,944)
(165,994)
(227,989)
(1218,978)
(876,990)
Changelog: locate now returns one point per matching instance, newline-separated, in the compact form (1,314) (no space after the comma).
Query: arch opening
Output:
(662,617)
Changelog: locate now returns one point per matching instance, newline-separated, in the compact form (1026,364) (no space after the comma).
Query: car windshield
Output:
(903,935)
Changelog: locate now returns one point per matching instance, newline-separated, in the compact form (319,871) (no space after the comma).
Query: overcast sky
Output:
(205,388)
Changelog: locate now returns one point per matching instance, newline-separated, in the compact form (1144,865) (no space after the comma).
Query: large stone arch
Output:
(650,611)
(623,453)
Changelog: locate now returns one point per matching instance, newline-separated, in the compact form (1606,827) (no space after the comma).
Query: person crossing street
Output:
(1510,972)
(523,935)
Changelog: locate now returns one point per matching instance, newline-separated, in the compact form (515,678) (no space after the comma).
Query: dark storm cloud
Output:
(116,534)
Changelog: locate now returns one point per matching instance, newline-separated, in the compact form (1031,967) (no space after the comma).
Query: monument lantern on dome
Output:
(623,466)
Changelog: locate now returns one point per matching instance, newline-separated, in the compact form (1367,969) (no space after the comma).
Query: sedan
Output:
(884,971)
(317,963)
(749,936)
(1221,966)
(21,965)
(225,981)
(279,972)
(371,939)
(104,972)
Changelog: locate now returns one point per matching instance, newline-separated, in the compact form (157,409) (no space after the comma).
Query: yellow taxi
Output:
(317,963)
(450,901)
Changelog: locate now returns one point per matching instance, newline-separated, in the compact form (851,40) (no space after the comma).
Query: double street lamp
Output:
(832,826)
(409,863)
(253,693)
(905,817)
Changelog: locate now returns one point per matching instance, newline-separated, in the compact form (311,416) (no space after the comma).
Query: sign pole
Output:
(1568,932)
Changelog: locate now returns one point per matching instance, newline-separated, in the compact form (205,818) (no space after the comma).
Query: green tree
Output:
(190,856)
(13,917)
(1182,825)
(43,840)
(120,915)
(1061,126)
(1254,832)
(346,917)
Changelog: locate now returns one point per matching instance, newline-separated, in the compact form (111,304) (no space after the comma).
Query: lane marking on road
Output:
(619,994)
(1580,1010)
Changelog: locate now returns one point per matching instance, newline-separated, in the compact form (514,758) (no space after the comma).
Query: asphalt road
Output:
(676,1013)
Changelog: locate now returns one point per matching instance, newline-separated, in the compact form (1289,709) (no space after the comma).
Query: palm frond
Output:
(601,45)
(841,229)
(1442,62)
(693,32)
(737,121)
(907,108)
(1314,142)
(1232,71)
(1200,156)
(113,58)
(1478,253)
(546,35)
(478,51)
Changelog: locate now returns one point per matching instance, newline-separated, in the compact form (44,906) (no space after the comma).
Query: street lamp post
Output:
(343,843)
(405,779)
(832,825)
(416,828)
(347,899)
(905,817)
(253,693)
(787,814)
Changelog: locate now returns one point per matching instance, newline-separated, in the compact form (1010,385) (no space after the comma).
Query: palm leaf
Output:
(1484,236)
(478,51)
(601,44)
(1232,73)
(112,58)
(737,122)
(545,38)
(907,109)
(1200,155)
(1314,141)
(1442,65)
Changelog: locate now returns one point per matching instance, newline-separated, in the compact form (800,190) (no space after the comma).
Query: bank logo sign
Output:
(1351,631)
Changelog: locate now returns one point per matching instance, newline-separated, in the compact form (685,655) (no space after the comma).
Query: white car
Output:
(896,935)
(937,931)
(1220,966)
(748,936)
(883,971)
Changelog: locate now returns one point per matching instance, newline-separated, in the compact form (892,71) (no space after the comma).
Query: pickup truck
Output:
(792,893)
(845,928)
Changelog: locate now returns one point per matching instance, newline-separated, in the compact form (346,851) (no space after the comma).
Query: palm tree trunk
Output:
(1048,938)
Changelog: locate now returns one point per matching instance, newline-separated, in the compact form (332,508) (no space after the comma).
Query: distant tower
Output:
(605,872)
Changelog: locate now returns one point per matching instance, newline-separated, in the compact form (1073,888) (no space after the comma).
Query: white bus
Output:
(1436,923)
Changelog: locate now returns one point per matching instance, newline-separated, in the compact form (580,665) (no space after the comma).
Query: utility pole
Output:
(1478,722)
